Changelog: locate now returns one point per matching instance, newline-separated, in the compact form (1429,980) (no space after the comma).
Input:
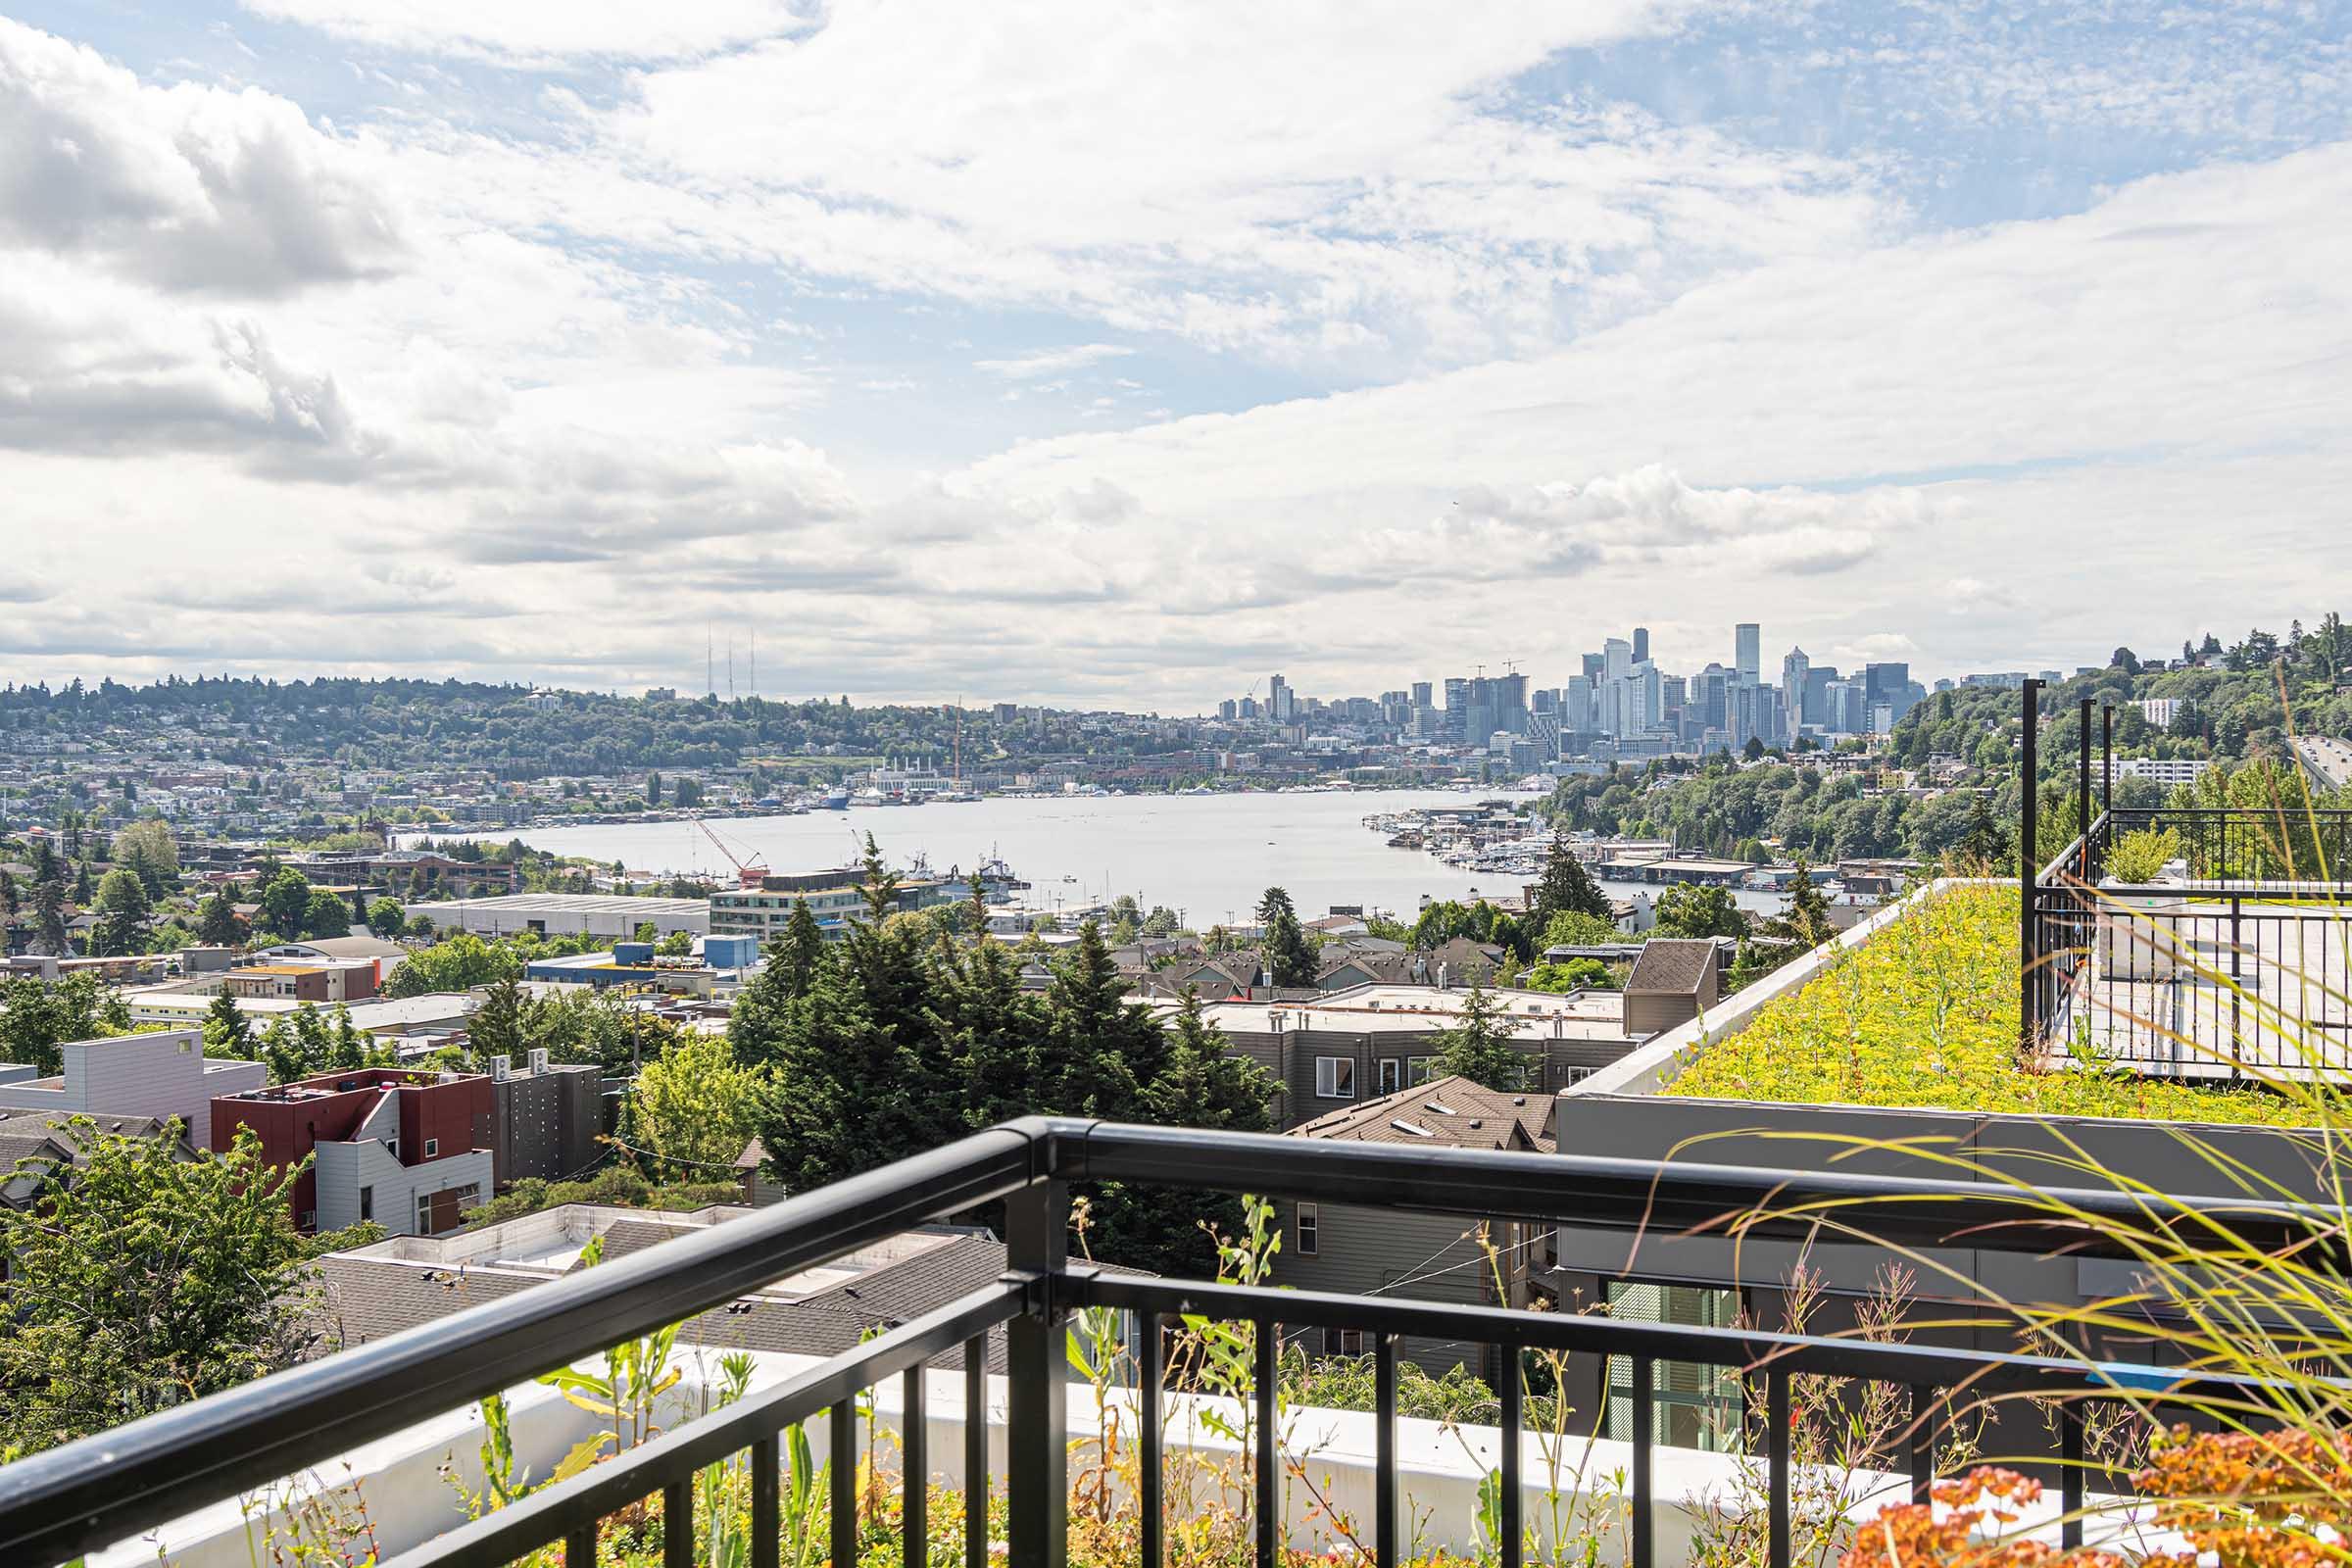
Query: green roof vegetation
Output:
(1925,1014)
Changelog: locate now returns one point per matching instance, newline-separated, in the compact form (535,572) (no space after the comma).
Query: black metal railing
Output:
(119,1484)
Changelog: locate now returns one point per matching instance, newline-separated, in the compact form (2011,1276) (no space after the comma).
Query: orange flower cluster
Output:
(2258,1500)
(1910,1536)
(2275,1500)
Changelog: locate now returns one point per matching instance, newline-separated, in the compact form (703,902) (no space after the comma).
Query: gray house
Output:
(1674,981)
(1434,1258)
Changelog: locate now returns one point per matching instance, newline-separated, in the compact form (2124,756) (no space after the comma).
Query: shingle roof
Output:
(1677,964)
(1446,1114)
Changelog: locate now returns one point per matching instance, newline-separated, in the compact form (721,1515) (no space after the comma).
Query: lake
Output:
(1207,857)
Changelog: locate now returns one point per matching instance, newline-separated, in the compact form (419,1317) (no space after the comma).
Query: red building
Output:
(407,1150)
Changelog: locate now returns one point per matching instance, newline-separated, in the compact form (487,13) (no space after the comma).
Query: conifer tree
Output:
(1479,1044)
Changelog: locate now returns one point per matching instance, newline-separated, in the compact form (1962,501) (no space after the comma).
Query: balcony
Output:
(2231,964)
(112,1488)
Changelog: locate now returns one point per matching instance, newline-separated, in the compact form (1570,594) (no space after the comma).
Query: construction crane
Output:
(747,873)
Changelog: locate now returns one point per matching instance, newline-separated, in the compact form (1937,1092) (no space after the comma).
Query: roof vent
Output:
(1415,1129)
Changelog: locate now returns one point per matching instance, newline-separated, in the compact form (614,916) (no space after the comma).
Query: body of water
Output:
(1207,856)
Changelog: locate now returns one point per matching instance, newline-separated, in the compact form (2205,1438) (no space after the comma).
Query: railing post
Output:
(2029,979)
(2107,769)
(2082,793)
(1037,1416)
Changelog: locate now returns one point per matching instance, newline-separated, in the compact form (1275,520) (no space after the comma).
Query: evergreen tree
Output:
(216,922)
(227,1032)
(1567,888)
(1808,917)
(495,1028)
(49,910)
(1290,959)
(1479,1044)
(1098,1048)
(1203,1083)
(1274,902)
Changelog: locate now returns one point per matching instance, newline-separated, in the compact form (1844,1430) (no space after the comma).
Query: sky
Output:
(1121,355)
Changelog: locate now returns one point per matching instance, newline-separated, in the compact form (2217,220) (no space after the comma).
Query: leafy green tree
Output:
(285,903)
(124,915)
(1479,1044)
(1573,929)
(676,945)
(460,963)
(148,1280)
(147,849)
(324,914)
(37,1017)
(653,789)
(1572,974)
(1689,911)
(646,932)
(692,1109)
(387,917)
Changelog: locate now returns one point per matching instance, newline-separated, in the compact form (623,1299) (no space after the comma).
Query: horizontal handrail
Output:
(1885,1361)
(1667,1196)
(112,1485)
(544,1516)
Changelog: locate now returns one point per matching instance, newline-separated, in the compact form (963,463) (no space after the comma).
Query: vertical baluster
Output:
(1645,1523)
(2236,976)
(914,1434)
(2069,1474)
(677,1524)
(1922,1441)
(767,1503)
(1514,1530)
(1269,1470)
(1147,1408)
(842,1448)
(1037,1410)
(1776,1450)
(1389,1549)
(579,1547)
(975,1453)
(1777,1463)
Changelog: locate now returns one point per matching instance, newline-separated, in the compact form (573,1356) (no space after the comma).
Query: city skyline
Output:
(547,339)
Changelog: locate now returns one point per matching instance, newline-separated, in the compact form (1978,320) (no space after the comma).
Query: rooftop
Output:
(1451,1112)
(568,904)
(1407,1008)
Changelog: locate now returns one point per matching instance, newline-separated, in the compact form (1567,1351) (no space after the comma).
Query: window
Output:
(1391,1076)
(366,1204)
(1310,1228)
(1343,1341)
(1417,1070)
(1335,1077)
(1692,1406)
(309,1219)
(424,1213)
(432,1147)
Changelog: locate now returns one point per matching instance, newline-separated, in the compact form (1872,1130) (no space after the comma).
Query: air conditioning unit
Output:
(538,1060)
(499,1066)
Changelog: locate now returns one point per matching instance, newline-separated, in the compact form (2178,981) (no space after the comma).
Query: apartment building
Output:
(327,981)
(410,1151)
(160,1075)
(834,898)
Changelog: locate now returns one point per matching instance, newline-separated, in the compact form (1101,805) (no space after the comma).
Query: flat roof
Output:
(569,904)
(1384,1008)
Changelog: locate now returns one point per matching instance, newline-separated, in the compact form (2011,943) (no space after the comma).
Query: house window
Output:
(1343,1342)
(1692,1405)
(366,1204)
(309,1219)
(1335,1077)
(1418,1068)
(424,1213)
(1310,1228)
(432,1147)
(1391,1075)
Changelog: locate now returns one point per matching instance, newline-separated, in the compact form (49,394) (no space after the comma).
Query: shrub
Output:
(2139,858)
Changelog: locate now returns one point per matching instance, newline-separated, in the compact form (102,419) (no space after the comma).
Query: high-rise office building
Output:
(1641,643)
(1595,666)
(1796,669)
(1280,700)
(1749,641)
(1421,694)
(1510,703)
(1889,684)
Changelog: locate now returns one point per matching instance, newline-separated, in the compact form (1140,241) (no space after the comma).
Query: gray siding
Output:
(1291,1057)
(161,1075)
(344,1168)
(1372,1251)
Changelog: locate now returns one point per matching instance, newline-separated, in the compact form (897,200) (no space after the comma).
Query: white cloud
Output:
(190,187)
(539,31)
(1050,362)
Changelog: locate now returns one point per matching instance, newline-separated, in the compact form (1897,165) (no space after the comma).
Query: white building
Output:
(2159,711)
(2164,770)
(611,917)
(160,1075)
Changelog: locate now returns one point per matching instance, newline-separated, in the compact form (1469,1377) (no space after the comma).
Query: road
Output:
(2328,760)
